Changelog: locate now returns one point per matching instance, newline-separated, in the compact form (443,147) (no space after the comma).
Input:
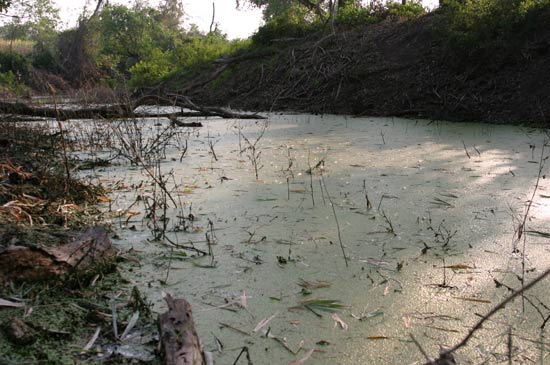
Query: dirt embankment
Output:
(395,68)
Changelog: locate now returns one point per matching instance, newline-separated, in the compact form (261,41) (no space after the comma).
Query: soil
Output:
(394,68)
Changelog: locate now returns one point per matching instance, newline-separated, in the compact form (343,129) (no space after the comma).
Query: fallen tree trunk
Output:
(116,111)
(91,248)
(179,340)
(108,112)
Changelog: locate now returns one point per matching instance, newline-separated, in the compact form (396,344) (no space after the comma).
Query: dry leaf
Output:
(338,321)
(477,300)
(407,321)
(303,359)
(263,323)
(8,303)
(104,199)
(459,266)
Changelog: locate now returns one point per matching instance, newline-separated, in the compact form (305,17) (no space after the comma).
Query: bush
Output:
(44,59)
(15,63)
(152,69)
(357,15)
(11,82)
(199,49)
(479,23)
(293,23)
(410,10)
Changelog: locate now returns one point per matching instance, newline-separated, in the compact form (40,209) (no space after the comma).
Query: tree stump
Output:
(179,340)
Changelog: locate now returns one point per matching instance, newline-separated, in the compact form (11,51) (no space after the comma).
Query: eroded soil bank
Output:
(427,214)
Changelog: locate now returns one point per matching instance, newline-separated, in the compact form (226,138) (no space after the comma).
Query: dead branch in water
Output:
(445,354)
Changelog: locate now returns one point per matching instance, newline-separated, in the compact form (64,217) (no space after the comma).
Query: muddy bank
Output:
(393,69)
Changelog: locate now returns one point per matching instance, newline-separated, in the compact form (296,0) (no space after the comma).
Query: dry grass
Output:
(17,46)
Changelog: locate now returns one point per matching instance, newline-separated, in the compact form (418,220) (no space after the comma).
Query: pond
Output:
(356,233)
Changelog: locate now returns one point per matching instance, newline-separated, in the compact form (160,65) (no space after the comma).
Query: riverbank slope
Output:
(416,68)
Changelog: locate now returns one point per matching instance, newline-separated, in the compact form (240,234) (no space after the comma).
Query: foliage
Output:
(4,4)
(12,82)
(409,10)
(196,50)
(359,15)
(14,63)
(151,69)
(125,36)
(293,22)
(472,23)
(15,30)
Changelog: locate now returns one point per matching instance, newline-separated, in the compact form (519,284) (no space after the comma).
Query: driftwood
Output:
(179,123)
(116,111)
(108,112)
(179,340)
(31,263)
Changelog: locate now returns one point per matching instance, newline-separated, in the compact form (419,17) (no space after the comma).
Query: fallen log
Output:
(107,112)
(179,340)
(119,111)
(93,247)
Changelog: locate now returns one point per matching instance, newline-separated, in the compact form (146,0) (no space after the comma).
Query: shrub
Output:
(15,63)
(475,23)
(11,82)
(152,69)
(44,59)
(292,23)
(409,10)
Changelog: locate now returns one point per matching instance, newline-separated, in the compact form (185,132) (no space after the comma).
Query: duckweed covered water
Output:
(439,195)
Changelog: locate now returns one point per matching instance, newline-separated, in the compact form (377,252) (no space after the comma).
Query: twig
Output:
(501,305)
(521,228)
(421,349)
(244,349)
(336,220)
(466,150)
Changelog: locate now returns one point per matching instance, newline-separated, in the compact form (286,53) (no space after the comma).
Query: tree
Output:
(321,8)
(38,18)
(171,14)
(4,5)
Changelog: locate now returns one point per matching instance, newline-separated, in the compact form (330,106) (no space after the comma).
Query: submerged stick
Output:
(501,305)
